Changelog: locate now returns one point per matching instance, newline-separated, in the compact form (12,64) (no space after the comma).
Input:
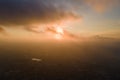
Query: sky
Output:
(85,17)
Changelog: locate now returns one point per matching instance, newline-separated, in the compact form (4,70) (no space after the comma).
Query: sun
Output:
(59,33)
(59,30)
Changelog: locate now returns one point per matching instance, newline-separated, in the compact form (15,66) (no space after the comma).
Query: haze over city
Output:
(59,39)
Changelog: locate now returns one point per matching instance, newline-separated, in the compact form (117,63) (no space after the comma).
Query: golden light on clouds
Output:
(102,5)
(59,30)
(58,36)
(59,33)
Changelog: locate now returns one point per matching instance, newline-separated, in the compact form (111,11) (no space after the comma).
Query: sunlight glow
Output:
(58,36)
(59,30)
(59,33)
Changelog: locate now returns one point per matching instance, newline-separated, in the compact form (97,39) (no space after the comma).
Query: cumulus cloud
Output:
(29,12)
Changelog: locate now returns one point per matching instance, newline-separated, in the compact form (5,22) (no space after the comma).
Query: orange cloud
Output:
(29,13)
(1,29)
(102,5)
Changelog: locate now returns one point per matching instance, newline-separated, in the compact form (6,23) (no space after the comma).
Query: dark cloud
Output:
(28,12)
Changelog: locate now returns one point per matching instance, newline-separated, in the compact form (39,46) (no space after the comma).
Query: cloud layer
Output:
(27,12)
(33,12)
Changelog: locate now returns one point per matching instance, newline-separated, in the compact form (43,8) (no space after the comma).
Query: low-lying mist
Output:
(87,60)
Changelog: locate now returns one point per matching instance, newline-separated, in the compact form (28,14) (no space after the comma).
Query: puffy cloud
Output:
(29,12)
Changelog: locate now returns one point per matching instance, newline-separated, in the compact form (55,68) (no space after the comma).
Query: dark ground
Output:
(94,60)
